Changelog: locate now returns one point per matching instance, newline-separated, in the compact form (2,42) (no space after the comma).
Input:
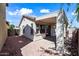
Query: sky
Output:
(14,11)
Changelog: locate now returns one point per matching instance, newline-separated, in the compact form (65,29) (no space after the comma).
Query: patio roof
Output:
(48,18)
(47,21)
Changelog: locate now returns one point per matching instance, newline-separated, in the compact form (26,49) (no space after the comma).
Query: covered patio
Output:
(46,25)
(54,24)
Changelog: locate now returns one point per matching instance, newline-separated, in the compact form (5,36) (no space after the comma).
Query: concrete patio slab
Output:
(34,48)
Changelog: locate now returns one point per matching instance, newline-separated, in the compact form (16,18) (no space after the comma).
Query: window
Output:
(42,28)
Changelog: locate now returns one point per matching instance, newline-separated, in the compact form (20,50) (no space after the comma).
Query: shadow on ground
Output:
(51,38)
(13,45)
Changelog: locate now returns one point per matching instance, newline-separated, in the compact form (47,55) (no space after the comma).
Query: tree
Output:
(11,27)
(77,11)
(60,30)
(76,16)
(10,30)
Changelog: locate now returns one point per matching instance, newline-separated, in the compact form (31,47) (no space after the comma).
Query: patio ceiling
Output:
(48,21)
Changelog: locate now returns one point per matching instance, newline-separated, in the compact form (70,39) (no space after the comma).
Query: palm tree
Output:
(77,19)
(77,11)
(60,37)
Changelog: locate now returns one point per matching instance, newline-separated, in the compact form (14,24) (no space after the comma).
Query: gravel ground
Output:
(13,45)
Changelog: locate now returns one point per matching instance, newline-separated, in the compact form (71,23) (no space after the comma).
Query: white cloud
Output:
(22,11)
(13,13)
(44,11)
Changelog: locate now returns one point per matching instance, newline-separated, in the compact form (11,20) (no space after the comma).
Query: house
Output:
(42,26)
(3,25)
(53,24)
(26,28)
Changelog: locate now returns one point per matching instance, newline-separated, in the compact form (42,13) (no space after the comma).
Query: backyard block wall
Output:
(3,26)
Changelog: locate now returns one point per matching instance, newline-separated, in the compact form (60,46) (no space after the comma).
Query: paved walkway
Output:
(42,47)
(37,48)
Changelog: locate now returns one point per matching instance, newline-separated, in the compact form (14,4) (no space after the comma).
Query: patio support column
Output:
(60,32)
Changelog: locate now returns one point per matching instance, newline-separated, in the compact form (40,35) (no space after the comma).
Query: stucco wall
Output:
(26,25)
(3,28)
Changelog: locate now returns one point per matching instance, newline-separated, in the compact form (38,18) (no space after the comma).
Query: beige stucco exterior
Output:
(3,26)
